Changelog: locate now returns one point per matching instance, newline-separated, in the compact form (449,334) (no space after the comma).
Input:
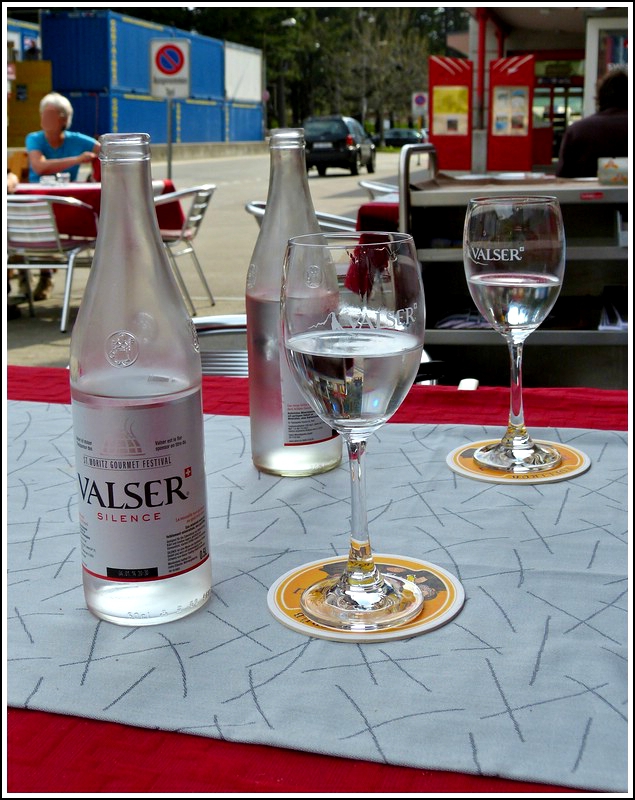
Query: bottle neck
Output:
(289,212)
(288,193)
(127,198)
(288,174)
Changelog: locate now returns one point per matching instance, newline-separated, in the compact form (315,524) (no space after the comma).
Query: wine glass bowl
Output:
(514,257)
(353,321)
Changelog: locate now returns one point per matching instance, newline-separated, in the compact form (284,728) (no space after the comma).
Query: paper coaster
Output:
(444,598)
(574,462)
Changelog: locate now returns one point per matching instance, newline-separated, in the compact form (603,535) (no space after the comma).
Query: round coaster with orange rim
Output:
(444,598)
(574,462)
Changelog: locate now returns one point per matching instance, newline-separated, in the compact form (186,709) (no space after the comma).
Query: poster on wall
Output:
(612,51)
(451,106)
(510,113)
(606,49)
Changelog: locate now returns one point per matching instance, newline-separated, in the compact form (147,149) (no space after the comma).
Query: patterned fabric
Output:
(529,681)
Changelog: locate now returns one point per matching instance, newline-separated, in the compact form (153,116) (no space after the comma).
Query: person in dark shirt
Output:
(600,135)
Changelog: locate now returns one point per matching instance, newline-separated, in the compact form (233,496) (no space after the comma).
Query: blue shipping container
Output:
(245,122)
(96,113)
(95,50)
(91,112)
(198,121)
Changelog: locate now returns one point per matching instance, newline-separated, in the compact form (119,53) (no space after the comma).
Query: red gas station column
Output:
(450,100)
(510,128)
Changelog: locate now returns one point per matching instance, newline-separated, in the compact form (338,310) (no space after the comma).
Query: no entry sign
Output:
(170,67)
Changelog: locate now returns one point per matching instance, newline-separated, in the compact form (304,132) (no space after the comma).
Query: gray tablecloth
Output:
(529,681)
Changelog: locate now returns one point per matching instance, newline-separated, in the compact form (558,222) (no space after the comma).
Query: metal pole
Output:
(170,93)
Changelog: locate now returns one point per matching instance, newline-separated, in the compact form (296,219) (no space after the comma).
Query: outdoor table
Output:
(379,215)
(230,700)
(169,216)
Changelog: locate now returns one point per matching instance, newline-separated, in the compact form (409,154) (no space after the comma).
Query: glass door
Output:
(558,107)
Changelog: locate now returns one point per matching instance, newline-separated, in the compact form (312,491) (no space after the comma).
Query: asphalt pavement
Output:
(224,245)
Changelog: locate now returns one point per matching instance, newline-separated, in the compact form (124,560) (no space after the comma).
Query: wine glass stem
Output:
(360,570)
(516,434)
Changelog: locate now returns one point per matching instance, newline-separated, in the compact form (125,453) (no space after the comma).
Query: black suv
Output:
(337,141)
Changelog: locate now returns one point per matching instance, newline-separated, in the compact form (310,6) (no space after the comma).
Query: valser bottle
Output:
(135,374)
(287,437)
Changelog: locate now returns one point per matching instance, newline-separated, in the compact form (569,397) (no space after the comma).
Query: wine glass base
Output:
(461,460)
(518,460)
(332,604)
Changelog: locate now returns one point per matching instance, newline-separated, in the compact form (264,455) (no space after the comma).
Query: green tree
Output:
(393,60)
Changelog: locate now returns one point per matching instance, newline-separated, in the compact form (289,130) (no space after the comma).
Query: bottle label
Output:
(301,425)
(141,481)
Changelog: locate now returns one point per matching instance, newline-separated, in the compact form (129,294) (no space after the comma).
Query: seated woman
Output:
(55,149)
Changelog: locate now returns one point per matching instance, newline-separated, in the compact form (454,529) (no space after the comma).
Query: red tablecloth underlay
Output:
(602,409)
(169,216)
(55,753)
(378,216)
(58,753)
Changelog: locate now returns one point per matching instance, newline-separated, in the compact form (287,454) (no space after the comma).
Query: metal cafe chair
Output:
(376,189)
(34,238)
(327,222)
(233,362)
(217,360)
(180,242)
(430,370)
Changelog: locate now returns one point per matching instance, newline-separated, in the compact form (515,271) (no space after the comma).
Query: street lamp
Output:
(281,105)
(369,19)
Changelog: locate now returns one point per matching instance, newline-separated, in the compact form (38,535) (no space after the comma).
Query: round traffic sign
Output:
(169,59)
(419,99)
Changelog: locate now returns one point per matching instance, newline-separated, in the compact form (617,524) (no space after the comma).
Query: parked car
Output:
(397,137)
(337,141)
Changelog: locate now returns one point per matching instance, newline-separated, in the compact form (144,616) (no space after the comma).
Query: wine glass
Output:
(353,320)
(514,256)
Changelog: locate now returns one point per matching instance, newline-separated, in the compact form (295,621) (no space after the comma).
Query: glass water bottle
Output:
(287,437)
(135,374)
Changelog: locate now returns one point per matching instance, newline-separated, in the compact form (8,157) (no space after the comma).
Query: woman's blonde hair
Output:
(61,103)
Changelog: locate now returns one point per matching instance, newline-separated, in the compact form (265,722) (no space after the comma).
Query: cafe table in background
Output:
(524,691)
(170,216)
